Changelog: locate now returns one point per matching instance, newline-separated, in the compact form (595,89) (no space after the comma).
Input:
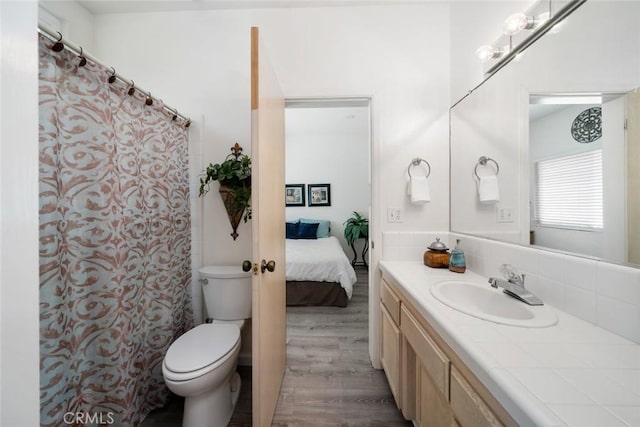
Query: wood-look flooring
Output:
(329,380)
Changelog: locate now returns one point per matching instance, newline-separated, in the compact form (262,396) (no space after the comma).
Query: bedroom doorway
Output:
(328,147)
(328,152)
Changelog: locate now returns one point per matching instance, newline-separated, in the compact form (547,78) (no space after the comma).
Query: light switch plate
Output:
(505,214)
(394,215)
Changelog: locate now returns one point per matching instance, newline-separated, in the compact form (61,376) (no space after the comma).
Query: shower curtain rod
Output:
(55,36)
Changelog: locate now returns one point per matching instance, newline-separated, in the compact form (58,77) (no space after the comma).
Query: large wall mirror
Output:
(561,127)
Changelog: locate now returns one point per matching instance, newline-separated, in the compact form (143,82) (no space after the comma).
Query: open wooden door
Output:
(269,296)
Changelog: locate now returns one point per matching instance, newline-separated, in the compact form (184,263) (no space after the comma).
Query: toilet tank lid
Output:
(201,346)
(224,272)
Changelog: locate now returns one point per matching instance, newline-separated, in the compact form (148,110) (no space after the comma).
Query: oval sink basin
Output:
(492,304)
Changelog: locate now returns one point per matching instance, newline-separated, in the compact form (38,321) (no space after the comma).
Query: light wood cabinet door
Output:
(469,409)
(433,407)
(434,361)
(391,351)
(408,380)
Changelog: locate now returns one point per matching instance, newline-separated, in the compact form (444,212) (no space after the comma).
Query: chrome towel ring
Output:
(483,161)
(416,162)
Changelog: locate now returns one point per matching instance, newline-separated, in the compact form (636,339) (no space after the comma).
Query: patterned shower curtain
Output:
(115,245)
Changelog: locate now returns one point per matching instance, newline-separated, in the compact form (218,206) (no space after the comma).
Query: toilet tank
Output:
(227,292)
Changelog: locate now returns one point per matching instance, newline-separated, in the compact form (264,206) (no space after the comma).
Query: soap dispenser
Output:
(457,262)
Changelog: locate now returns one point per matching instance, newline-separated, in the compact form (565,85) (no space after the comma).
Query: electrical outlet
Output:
(505,214)
(394,215)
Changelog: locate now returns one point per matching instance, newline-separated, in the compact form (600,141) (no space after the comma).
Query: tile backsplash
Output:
(605,294)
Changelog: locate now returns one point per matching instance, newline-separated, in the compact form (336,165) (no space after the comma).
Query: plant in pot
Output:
(234,175)
(357,227)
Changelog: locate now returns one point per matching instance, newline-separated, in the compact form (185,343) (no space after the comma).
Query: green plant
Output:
(356,227)
(234,172)
(234,175)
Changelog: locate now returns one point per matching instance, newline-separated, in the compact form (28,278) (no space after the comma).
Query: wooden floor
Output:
(329,380)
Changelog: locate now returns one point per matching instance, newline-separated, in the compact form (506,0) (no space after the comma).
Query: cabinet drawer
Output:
(391,301)
(434,361)
(469,409)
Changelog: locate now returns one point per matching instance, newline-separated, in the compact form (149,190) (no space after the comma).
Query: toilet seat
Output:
(200,350)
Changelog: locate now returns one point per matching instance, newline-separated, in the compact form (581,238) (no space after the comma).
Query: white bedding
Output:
(319,260)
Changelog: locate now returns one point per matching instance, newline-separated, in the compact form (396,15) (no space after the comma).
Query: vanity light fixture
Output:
(537,20)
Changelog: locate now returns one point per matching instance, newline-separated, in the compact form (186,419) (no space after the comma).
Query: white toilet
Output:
(201,364)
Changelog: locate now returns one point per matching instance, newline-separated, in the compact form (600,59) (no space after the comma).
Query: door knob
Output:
(270,266)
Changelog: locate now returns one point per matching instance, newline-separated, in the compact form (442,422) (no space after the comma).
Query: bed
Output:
(318,272)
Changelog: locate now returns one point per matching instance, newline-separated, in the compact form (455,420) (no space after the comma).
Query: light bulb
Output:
(487,52)
(518,22)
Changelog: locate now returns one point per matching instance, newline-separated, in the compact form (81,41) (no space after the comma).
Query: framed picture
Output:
(319,195)
(294,195)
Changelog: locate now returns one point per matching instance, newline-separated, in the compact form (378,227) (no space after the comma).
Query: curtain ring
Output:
(83,60)
(58,46)
(174,115)
(149,100)
(112,77)
(188,123)
(132,89)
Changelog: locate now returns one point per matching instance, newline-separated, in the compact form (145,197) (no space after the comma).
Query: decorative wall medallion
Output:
(587,127)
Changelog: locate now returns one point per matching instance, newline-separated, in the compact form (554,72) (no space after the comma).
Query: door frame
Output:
(375,214)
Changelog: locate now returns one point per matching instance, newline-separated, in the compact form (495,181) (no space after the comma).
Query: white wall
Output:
(330,145)
(75,22)
(486,124)
(19,372)
(397,55)
(473,24)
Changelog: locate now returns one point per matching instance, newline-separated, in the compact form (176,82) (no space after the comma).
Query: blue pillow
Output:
(308,231)
(324,226)
(292,230)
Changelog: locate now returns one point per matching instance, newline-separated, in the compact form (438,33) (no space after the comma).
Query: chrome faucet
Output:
(514,285)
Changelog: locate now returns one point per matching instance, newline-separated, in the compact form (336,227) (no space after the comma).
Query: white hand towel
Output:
(488,189)
(419,190)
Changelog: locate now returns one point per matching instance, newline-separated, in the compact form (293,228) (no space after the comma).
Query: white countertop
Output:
(570,374)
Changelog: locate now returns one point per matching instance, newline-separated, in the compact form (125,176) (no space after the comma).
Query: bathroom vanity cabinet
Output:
(430,383)
(391,340)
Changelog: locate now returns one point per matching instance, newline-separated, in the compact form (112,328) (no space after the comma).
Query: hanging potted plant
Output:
(357,227)
(234,175)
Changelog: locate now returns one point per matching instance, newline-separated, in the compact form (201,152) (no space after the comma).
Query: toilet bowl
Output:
(201,364)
